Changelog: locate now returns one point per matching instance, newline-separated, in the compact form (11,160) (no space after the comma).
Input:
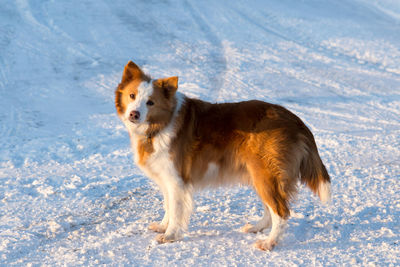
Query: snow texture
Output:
(69,191)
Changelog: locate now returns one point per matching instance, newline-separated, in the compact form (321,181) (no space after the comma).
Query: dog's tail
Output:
(314,173)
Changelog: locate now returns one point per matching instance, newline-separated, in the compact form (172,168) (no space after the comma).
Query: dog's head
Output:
(145,105)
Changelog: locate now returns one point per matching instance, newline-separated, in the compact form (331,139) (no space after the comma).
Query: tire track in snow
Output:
(302,39)
(7,119)
(218,56)
(24,9)
(301,42)
(46,26)
(7,34)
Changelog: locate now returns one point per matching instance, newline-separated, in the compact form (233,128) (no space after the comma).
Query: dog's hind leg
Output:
(262,224)
(275,190)
(279,212)
(278,224)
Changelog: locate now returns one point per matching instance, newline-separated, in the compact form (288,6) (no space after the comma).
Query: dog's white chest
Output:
(156,162)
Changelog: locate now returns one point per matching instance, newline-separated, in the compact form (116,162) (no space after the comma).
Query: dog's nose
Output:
(134,116)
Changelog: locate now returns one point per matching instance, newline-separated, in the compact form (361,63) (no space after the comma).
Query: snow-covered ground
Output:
(69,191)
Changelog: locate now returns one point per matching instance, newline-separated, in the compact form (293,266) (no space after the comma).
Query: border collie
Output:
(185,144)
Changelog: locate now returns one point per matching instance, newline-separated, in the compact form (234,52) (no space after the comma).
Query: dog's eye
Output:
(150,103)
(132,96)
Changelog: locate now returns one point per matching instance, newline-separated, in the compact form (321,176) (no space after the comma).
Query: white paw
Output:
(163,238)
(266,245)
(157,227)
(249,228)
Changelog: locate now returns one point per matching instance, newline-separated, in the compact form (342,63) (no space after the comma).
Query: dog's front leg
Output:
(162,226)
(180,202)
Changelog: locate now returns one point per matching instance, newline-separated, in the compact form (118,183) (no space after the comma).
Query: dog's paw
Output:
(163,238)
(157,227)
(266,245)
(249,228)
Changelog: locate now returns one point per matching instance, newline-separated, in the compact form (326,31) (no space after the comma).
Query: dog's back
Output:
(251,142)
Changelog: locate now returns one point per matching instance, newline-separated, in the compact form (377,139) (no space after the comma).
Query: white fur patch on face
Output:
(145,90)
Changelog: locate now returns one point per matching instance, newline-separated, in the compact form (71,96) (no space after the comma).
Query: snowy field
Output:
(69,191)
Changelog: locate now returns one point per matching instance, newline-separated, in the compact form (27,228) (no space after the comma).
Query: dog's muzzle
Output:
(134,116)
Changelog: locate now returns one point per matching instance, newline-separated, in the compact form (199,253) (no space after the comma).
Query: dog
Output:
(185,144)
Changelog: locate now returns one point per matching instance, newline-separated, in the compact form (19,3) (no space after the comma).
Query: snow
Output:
(69,191)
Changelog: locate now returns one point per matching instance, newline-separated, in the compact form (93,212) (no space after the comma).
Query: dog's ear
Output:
(131,72)
(169,85)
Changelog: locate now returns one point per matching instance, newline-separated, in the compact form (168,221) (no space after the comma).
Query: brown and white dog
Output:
(186,144)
